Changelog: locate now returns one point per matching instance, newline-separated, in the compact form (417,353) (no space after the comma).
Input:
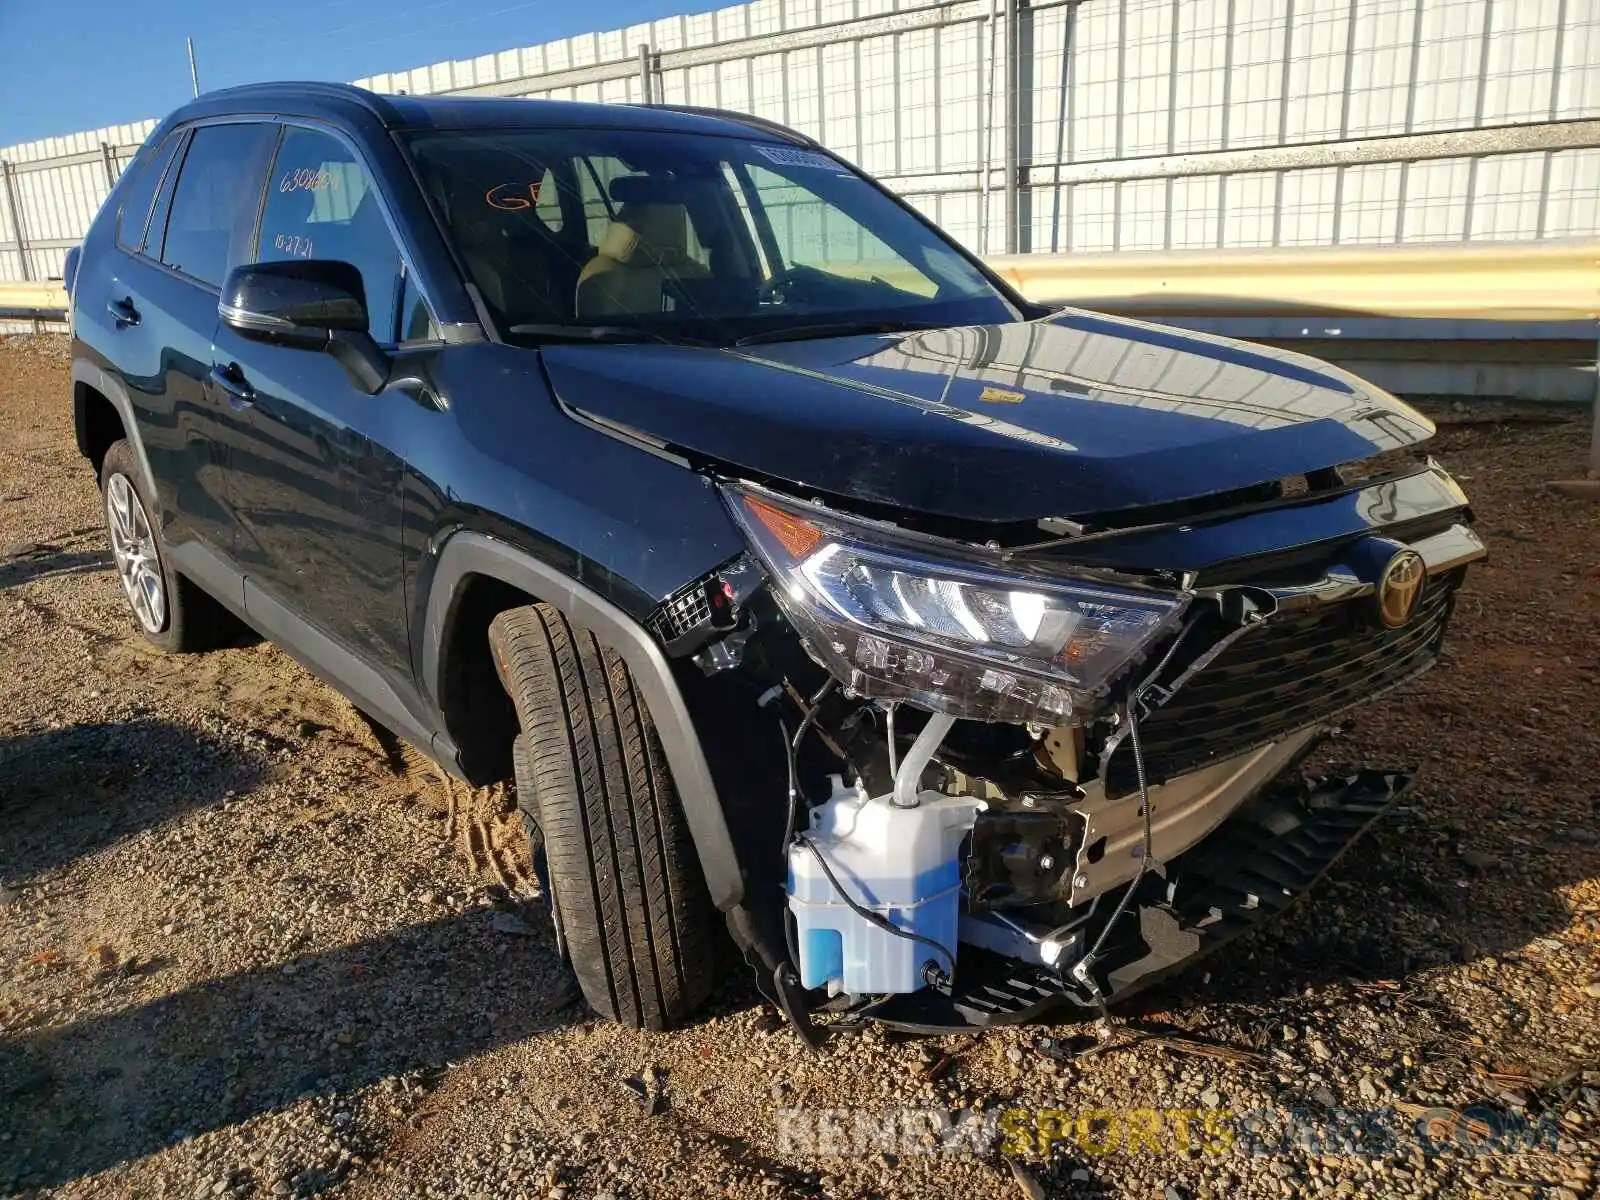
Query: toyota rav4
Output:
(961,654)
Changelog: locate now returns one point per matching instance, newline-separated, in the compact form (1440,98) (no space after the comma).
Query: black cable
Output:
(877,920)
(817,698)
(794,786)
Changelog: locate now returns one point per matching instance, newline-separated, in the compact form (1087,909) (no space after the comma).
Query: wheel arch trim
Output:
(469,553)
(111,388)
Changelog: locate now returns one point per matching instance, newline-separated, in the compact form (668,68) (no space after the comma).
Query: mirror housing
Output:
(306,304)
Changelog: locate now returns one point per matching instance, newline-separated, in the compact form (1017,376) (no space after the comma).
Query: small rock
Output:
(9,896)
(1368,1089)
(1320,1051)
(1593,989)
(1478,860)
(1014,1055)
(1031,1187)
(1211,1098)
(1564,1193)
(1171,1193)
(510,924)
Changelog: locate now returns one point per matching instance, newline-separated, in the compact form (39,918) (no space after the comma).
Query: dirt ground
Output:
(250,947)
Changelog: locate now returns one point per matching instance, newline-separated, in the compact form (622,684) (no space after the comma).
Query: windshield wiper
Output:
(799,333)
(619,334)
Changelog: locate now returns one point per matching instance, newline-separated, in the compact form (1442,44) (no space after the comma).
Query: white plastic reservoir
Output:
(902,863)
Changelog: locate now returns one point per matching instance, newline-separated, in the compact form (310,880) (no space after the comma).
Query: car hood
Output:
(1071,414)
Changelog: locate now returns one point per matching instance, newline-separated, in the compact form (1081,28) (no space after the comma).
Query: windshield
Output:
(668,236)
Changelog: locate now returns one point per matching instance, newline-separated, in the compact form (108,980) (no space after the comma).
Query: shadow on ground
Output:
(46,561)
(68,792)
(79,1099)
(1401,903)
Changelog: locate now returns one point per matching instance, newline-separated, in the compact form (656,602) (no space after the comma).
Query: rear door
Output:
(164,299)
(316,469)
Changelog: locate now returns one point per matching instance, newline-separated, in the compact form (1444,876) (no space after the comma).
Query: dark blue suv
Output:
(962,652)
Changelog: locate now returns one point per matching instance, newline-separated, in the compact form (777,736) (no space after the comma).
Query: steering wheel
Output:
(789,286)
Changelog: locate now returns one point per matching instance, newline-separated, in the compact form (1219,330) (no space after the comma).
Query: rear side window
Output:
(144,177)
(321,204)
(214,203)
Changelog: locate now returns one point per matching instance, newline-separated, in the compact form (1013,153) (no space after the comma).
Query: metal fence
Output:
(1074,125)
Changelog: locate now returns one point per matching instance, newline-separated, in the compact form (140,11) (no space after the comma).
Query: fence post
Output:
(18,236)
(644,74)
(1013,118)
(109,158)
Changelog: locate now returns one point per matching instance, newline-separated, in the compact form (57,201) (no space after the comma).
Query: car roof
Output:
(401,112)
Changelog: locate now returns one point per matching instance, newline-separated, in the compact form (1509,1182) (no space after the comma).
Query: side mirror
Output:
(306,304)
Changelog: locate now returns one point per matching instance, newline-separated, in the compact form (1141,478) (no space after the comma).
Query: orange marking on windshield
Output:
(504,196)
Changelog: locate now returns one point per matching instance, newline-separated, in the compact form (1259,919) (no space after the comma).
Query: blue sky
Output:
(82,64)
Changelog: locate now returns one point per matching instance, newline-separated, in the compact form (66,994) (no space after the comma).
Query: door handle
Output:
(230,381)
(123,312)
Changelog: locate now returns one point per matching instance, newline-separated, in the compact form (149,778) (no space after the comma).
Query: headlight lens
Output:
(959,637)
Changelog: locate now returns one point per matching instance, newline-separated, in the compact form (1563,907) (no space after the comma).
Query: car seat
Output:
(644,247)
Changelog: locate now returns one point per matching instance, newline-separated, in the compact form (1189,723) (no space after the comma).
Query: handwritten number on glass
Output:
(293,244)
(303,179)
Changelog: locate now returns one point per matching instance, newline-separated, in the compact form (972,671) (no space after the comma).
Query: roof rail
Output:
(378,105)
(761,123)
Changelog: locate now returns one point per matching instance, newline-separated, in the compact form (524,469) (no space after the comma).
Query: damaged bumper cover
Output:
(1255,864)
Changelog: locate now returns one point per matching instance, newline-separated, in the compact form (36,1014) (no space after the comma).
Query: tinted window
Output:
(710,238)
(416,322)
(321,204)
(215,201)
(144,177)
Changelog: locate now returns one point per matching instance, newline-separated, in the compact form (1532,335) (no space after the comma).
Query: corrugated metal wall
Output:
(54,187)
(1141,124)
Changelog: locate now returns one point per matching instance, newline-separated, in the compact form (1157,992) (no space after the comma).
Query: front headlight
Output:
(955,635)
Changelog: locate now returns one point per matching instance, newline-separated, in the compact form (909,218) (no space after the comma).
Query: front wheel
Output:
(632,909)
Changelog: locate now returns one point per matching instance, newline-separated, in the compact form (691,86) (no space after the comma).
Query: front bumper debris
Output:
(1250,869)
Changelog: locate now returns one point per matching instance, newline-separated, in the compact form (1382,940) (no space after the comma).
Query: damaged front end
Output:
(1051,772)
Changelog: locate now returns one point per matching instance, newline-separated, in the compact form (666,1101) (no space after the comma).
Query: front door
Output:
(315,472)
(163,304)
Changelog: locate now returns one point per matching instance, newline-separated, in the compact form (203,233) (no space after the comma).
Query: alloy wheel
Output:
(133,545)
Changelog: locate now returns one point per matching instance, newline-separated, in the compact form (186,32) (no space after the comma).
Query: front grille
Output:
(1295,670)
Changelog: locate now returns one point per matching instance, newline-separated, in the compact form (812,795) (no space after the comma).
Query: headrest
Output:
(650,189)
(656,233)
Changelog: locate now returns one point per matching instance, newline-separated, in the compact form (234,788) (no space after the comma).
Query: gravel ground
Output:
(250,946)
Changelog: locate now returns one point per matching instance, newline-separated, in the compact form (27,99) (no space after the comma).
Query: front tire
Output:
(170,610)
(632,908)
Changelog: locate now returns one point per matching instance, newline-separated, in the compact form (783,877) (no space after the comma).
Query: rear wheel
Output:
(631,907)
(171,611)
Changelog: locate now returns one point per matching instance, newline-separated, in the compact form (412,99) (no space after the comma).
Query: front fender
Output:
(469,553)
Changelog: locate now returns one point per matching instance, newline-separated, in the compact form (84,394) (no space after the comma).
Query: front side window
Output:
(321,204)
(214,203)
(687,235)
